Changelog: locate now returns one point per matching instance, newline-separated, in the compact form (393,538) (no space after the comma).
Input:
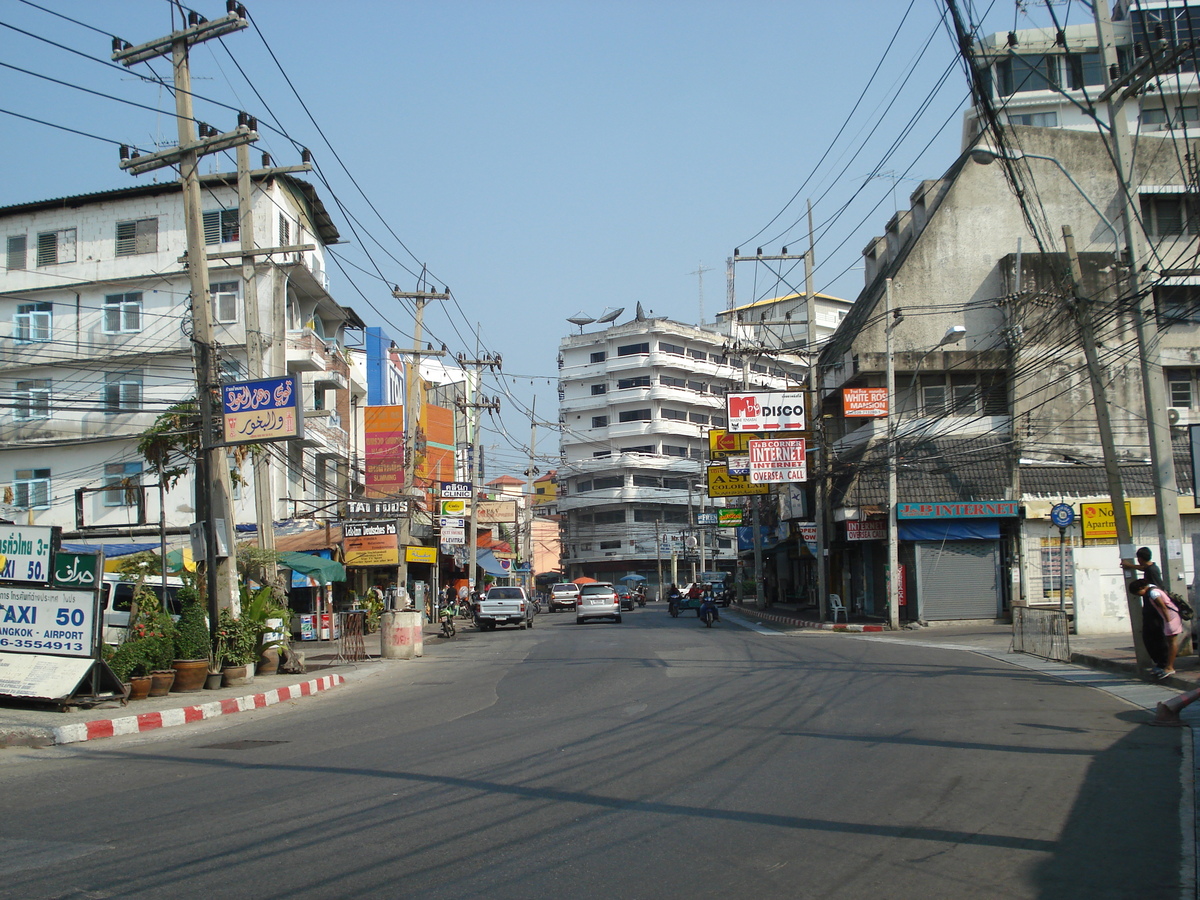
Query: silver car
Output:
(564,595)
(597,601)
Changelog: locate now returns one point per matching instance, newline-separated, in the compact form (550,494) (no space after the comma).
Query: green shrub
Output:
(191,631)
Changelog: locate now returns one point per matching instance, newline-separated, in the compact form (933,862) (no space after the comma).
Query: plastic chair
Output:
(836,606)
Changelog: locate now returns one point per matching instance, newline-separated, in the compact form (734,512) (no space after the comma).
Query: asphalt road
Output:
(650,759)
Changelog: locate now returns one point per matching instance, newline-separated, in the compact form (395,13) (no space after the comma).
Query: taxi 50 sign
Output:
(766,411)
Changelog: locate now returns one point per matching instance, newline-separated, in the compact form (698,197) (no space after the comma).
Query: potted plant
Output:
(147,650)
(264,616)
(235,649)
(191,663)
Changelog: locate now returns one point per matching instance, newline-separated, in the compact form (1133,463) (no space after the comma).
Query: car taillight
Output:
(521,606)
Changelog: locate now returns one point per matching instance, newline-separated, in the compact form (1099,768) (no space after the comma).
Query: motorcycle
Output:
(446,613)
(641,599)
(708,613)
(673,599)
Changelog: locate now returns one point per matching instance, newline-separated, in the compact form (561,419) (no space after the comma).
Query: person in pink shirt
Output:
(1172,623)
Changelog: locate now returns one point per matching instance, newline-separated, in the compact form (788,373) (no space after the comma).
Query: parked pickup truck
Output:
(504,606)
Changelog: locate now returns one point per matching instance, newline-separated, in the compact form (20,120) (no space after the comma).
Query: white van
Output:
(116,598)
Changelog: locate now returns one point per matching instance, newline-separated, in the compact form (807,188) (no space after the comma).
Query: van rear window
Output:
(122,596)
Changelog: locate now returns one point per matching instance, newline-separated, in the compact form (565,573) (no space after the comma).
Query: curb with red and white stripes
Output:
(802,623)
(170,718)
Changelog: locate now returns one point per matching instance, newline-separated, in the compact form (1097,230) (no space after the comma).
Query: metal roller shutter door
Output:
(959,580)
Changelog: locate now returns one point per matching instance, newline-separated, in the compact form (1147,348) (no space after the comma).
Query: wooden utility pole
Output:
(212,479)
(413,401)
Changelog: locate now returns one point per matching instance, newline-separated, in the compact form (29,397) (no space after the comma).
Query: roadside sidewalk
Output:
(1105,652)
(37,725)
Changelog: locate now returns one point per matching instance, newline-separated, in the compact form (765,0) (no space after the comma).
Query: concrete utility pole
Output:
(256,338)
(893,564)
(1166,487)
(531,473)
(213,485)
(814,386)
(478,402)
(413,401)
(1081,308)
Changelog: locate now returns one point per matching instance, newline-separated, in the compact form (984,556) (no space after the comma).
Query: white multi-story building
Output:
(636,402)
(1045,77)
(95,343)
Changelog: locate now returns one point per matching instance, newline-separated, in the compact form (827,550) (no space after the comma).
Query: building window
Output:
(641,448)
(599,421)
(1181,387)
(671,381)
(583,487)
(1177,304)
(633,349)
(121,481)
(634,415)
(610,545)
(16,252)
(221,226)
(599,454)
(138,236)
(698,386)
(606,483)
(32,399)
(639,381)
(698,354)
(1041,120)
(285,231)
(610,517)
(677,414)
(1021,74)
(31,489)
(669,450)
(123,393)
(33,323)
(651,481)
(1084,70)
(54,247)
(698,418)
(599,389)
(225,302)
(598,356)
(671,348)
(1167,215)
(1053,562)
(123,313)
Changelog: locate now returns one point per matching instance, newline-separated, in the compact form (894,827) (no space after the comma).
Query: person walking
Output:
(1172,624)
(1153,635)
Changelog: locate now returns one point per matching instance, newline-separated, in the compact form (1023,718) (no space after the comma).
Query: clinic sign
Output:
(778,461)
(253,412)
(456,490)
(766,411)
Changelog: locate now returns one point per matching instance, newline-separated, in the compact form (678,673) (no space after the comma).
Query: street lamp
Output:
(953,335)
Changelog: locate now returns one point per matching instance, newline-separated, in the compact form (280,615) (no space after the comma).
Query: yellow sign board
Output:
(1099,521)
(420,554)
(722,484)
(722,443)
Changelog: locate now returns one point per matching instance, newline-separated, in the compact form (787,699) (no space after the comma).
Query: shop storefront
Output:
(956,556)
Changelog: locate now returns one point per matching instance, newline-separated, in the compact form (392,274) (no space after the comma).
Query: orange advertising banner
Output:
(383,467)
(867,403)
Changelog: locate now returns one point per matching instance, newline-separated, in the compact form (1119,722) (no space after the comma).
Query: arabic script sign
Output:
(258,411)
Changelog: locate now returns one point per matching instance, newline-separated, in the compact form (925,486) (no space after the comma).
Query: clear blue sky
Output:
(540,157)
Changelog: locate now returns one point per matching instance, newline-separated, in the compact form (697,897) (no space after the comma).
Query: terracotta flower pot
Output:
(234,676)
(139,687)
(161,681)
(189,675)
(213,680)
(268,663)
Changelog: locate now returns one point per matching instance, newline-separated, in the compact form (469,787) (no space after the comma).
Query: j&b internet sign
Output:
(769,411)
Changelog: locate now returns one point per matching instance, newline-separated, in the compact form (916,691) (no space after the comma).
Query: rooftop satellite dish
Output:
(611,316)
(641,316)
(580,318)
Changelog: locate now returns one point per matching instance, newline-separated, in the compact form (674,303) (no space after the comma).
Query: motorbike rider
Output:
(708,607)
(673,597)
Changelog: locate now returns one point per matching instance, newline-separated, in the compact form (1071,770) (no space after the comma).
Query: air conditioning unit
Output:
(1177,416)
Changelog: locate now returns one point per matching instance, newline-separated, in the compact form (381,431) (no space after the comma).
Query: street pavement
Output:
(650,759)
(43,725)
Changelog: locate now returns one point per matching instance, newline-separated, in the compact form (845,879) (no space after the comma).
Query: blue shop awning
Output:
(950,530)
(487,561)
